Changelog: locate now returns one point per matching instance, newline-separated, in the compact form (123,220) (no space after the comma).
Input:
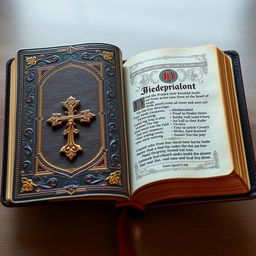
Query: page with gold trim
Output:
(177,124)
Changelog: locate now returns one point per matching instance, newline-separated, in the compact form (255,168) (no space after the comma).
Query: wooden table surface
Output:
(88,228)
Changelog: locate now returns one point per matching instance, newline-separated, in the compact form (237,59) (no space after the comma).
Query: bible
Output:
(164,126)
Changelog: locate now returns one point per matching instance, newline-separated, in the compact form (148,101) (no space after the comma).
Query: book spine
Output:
(244,119)
(6,125)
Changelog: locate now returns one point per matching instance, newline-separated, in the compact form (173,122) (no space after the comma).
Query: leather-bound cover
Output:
(47,79)
(244,119)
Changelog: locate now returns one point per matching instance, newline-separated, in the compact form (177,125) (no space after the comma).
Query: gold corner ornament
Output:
(85,116)
(27,185)
(109,56)
(31,61)
(114,178)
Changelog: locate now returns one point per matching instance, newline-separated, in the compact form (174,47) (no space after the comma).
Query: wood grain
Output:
(88,228)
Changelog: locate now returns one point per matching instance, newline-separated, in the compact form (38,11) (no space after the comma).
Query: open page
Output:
(176,119)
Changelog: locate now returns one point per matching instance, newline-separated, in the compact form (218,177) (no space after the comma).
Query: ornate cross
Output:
(85,116)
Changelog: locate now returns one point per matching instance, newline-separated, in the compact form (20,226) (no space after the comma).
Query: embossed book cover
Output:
(67,127)
(80,124)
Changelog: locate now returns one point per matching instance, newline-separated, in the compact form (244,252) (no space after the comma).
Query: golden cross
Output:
(85,116)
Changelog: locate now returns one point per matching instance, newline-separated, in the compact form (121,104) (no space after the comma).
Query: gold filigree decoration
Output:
(85,116)
(31,61)
(71,190)
(70,49)
(27,185)
(109,56)
(114,178)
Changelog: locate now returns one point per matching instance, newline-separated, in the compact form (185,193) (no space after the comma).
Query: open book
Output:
(164,125)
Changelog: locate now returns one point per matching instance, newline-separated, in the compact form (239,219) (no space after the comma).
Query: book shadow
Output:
(88,228)
(207,229)
(70,228)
